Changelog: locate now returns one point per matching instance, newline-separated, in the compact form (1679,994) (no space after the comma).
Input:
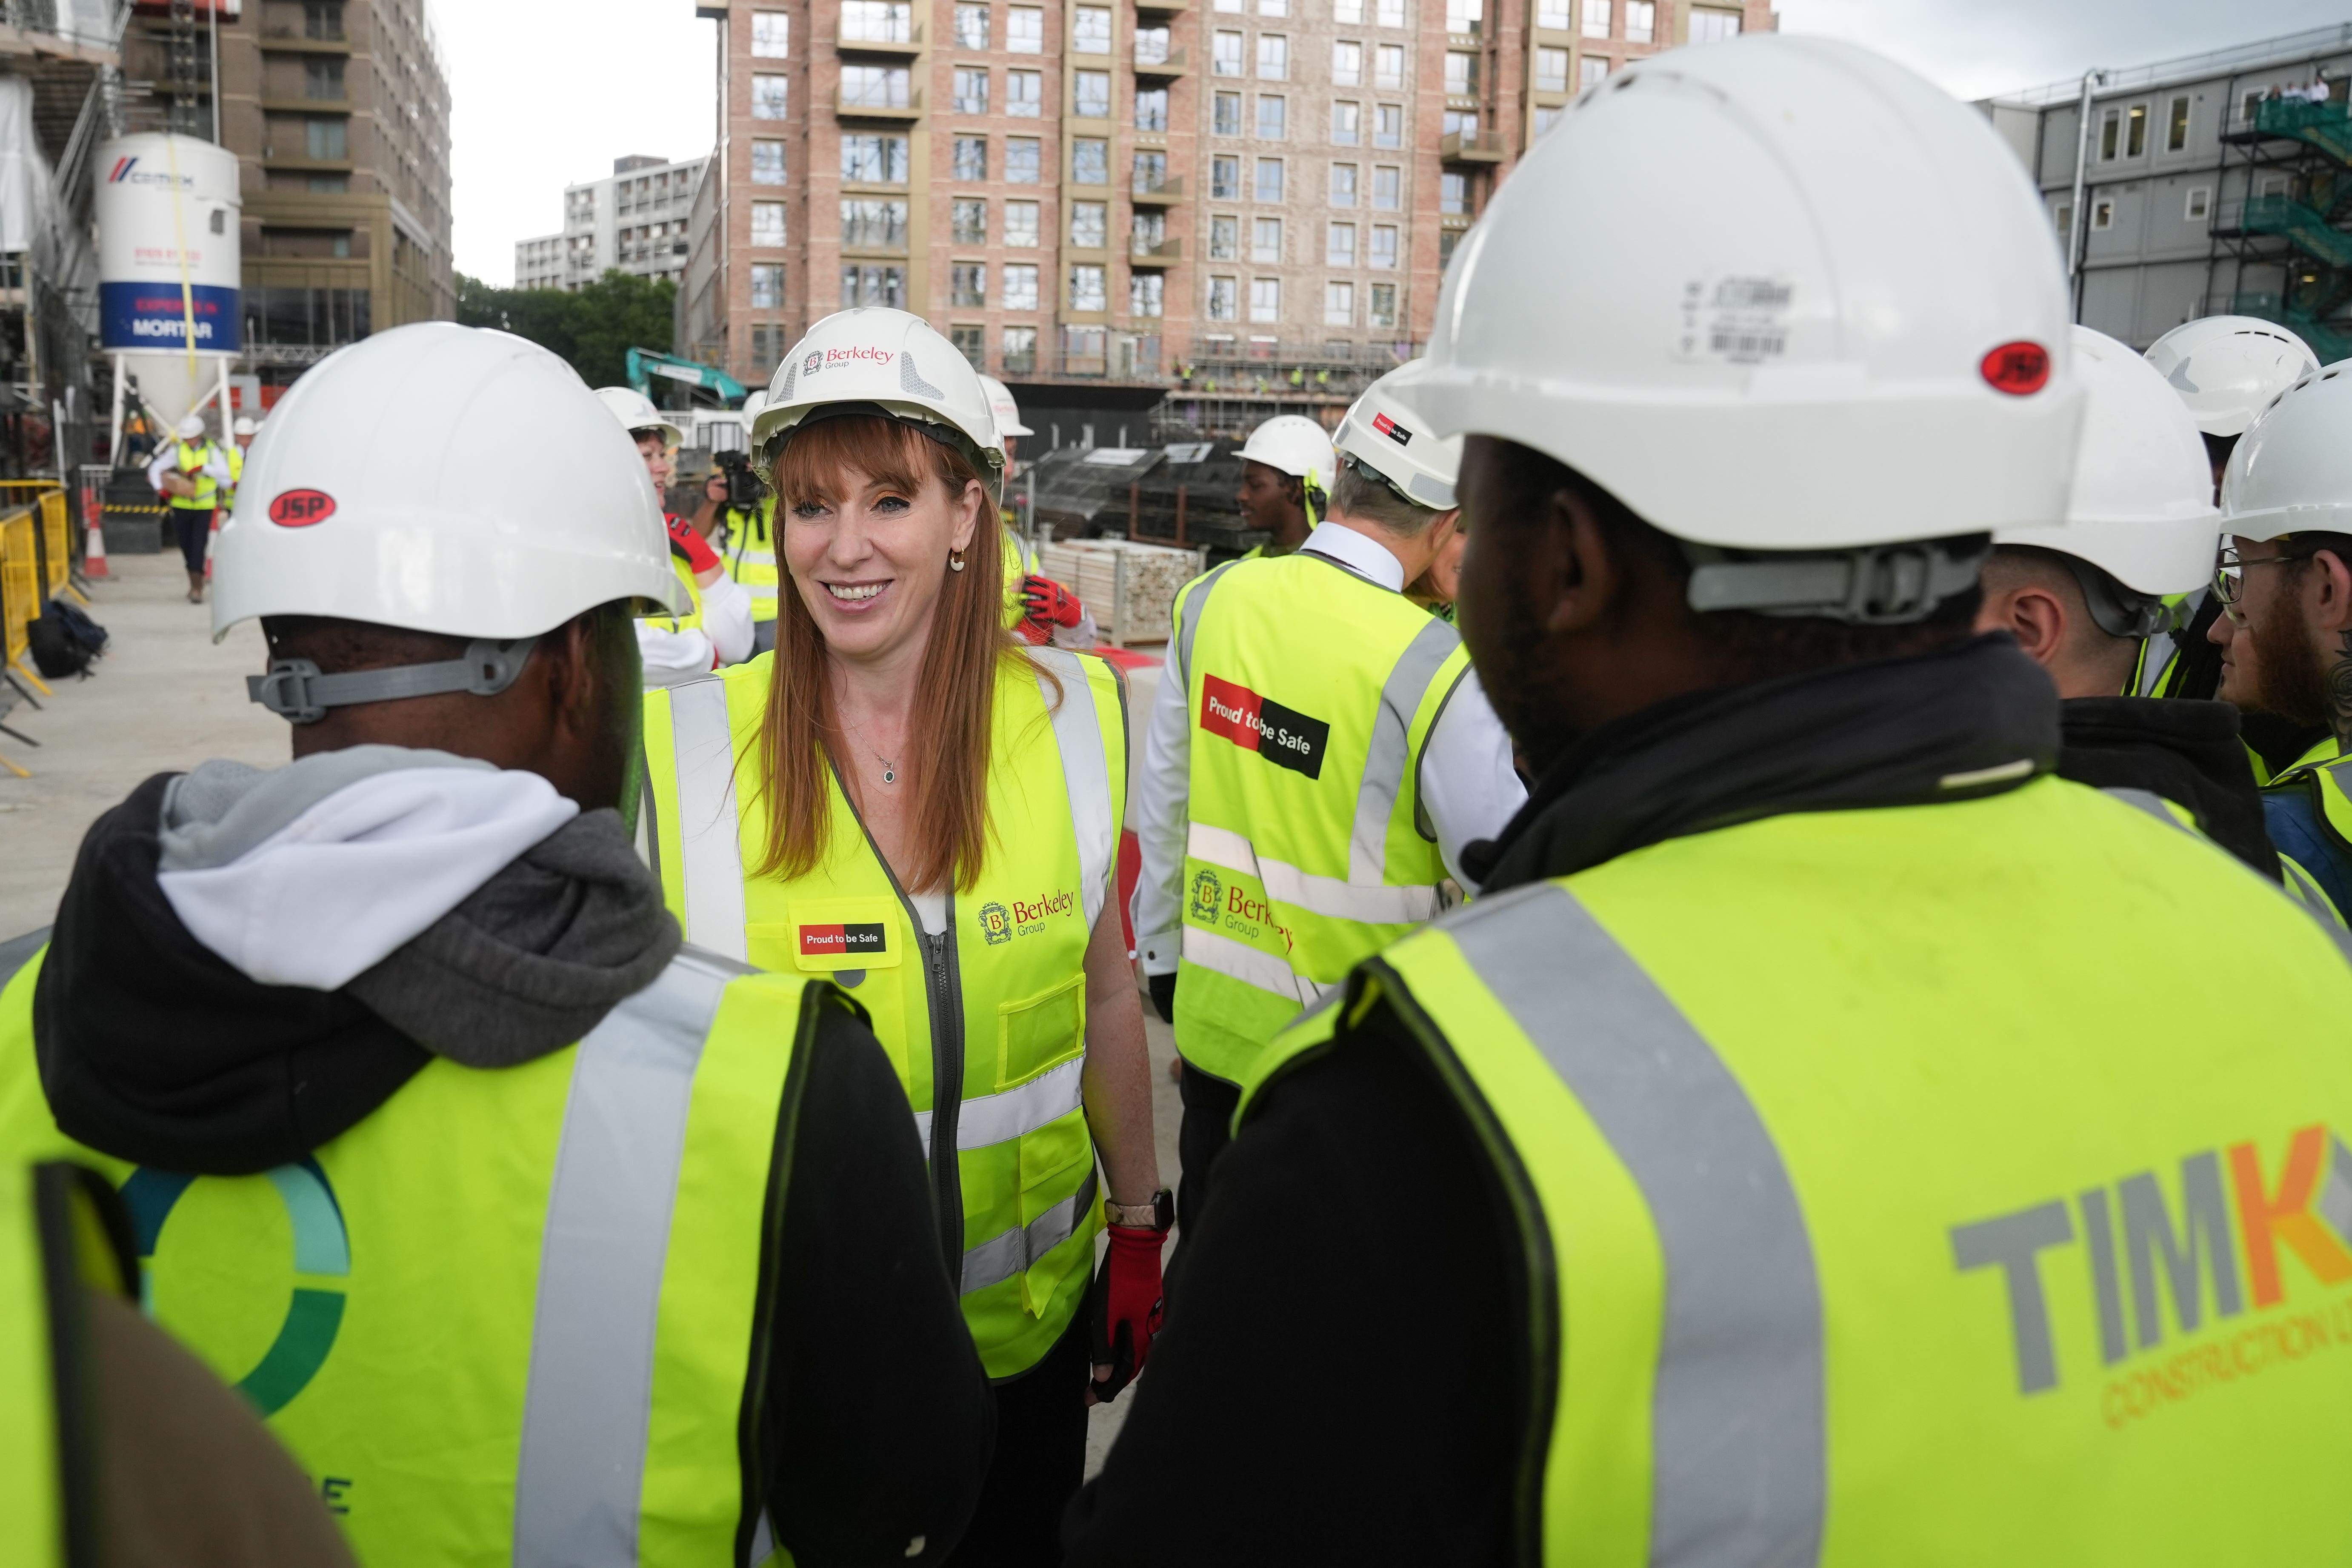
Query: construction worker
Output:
(2084,596)
(2227,370)
(717,628)
(2285,584)
(1040,608)
(1825,1138)
(1319,754)
(188,474)
(906,798)
(602,1249)
(745,539)
(243,433)
(1286,465)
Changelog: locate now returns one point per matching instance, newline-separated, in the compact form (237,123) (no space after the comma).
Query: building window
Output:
(1388,66)
(1087,288)
(768,223)
(323,79)
(325,140)
(1388,186)
(878,21)
(1343,184)
(1270,179)
(1022,166)
(1224,297)
(1547,117)
(1025,94)
(870,285)
(1462,122)
(1383,311)
(767,286)
(971,90)
(1454,194)
(1384,245)
(2136,131)
(2063,221)
(1224,179)
(1020,348)
(2103,213)
(1552,14)
(1089,94)
(1273,116)
(2201,202)
(1151,46)
(1551,70)
(767,162)
(1347,63)
(1713,26)
(1146,232)
(1447,239)
(971,27)
(874,87)
(1025,30)
(1461,72)
(1021,287)
(1021,223)
(1338,304)
(2110,129)
(972,157)
(1091,31)
(323,19)
(968,221)
(2176,135)
(1225,55)
(1265,299)
(1089,226)
(1145,293)
(1388,125)
(1347,121)
(972,343)
(1590,72)
(873,160)
(1339,244)
(1272,57)
(1274,8)
(1151,109)
(1641,21)
(772,36)
(1225,239)
(870,224)
(331,184)
(1596,18)
(1265,241)
(771,97)
(1150,172)
(1226,114)
(1089,161)
(968,286)
(1349,12)
(1463,15)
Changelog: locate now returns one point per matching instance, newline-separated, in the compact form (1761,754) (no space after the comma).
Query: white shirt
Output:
(167,457)
(724,637)
(1467,784)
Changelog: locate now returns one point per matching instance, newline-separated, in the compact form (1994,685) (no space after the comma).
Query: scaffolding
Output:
(2282,236)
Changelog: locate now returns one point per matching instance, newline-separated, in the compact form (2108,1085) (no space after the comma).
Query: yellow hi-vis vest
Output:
(190,461)
(985,1023)
(1310,692)
(749,554)
(1019,561)
(513,1316)
(693,618)
(1898,1186)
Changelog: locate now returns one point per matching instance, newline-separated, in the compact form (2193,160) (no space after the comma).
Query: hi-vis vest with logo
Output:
(986,1024)
(1311,695)
(190,462)
(510,1316)
(750,556)
(1887,1199)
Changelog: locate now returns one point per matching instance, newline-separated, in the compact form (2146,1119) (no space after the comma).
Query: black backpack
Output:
(64,641)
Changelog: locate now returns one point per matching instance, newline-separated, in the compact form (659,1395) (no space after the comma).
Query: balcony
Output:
(879,106)
(281,38)
(1167,253)
(1479,147)
(1167,63)
(1161,193)
(865,35)
(306,106)
(1165,7)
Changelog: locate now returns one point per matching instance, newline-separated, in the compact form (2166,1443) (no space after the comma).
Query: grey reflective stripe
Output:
(1085,774)
(747,556)
(17,952)
(2152,803)
(991,1119)
(709,844)
(1190,624)
(586,1409)
(1392,754)
(759,591)
(999,1258)
(1738,1425)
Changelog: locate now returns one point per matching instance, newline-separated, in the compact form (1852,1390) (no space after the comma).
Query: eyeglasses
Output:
(2230,574)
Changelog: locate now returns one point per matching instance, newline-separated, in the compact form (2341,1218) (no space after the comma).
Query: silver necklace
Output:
(889,768)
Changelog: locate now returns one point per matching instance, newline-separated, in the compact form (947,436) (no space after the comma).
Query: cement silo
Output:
(168,269)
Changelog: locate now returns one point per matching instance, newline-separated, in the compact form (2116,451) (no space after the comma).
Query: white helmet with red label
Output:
(638,415)
(1384,437)
(879,361)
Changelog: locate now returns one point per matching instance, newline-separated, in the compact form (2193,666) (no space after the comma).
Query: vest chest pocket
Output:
(860,945)
(1040,1031)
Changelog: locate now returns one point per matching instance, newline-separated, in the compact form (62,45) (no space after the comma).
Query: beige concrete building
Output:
(634,219)
(1247,203)
(339,114)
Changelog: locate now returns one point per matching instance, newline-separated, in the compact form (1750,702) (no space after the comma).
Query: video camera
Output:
(745,491)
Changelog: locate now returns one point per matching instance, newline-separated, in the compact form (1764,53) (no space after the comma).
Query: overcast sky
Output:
(548,94)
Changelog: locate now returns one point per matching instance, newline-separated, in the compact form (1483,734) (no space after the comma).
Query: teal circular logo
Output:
(322,1249)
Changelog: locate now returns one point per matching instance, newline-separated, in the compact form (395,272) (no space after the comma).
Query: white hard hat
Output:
(388,487)
(1384,438)
(191,425)
(2292,473)
(245,425)
(2228,368)
(1000,406)
(637,414)
(2142,507)
(1295,446)
(882,362)
(1847,330)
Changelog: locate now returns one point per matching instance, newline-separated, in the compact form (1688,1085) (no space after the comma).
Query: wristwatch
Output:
(1159,1215)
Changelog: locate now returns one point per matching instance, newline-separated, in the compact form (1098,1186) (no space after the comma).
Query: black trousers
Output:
(195,528)
(1041,1458)
(1209,1106)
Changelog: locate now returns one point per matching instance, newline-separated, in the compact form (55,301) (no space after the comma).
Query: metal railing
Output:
(1473,147)
(2283,49)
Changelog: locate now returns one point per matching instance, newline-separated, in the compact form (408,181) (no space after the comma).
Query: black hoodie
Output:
(879,1418)
(2187,752)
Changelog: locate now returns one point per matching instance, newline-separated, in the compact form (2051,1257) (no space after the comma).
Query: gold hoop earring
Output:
(955,560)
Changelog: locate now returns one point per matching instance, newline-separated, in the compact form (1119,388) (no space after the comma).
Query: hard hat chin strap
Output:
(295,692)
(1871,586)
(2118,611)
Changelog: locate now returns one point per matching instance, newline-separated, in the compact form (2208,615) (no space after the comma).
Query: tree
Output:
(593,329)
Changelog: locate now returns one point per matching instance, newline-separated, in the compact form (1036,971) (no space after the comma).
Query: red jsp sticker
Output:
(2019,369)
(301,508)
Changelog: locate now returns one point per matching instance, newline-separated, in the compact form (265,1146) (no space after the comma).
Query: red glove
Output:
(686,541)
(1126,1307)
(1050,604)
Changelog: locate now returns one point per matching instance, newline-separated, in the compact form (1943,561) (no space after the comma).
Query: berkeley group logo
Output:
(813,364)
(995,923)
(1208,897)
(1282,736)
(1027,917)
(2196,1259)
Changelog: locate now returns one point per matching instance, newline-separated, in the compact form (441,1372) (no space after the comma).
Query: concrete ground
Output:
(165,697)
